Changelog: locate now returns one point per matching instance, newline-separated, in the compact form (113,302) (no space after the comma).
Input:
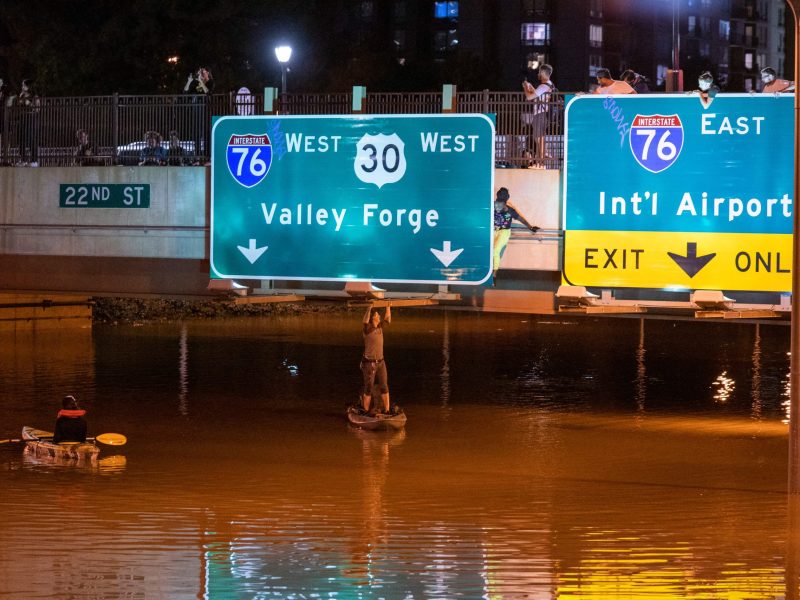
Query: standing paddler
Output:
(373,365)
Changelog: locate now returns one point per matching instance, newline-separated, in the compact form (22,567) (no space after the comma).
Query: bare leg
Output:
(385,399)
(365,401)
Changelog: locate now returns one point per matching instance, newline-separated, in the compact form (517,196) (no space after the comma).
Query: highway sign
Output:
(663,191)
(391,198)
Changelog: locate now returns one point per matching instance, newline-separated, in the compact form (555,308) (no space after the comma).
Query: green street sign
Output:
(104,195)
(391,198)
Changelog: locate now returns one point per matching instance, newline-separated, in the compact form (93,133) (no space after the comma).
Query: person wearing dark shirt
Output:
(85,151)
(706,88)
(373,365)
(636,81)
(70,423)
(29,106)
(504,213)
(152,154)
(176,155)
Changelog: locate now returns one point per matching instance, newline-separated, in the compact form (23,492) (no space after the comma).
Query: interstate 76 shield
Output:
(249,158)
(656,141)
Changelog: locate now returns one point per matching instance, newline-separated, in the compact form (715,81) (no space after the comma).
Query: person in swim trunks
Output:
(373,365)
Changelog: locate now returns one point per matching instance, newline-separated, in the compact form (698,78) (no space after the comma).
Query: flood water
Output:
(543,458)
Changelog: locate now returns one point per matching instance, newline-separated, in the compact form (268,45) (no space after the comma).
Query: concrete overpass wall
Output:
(164,248)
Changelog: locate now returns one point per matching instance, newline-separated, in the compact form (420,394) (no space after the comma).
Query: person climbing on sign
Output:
(504,213)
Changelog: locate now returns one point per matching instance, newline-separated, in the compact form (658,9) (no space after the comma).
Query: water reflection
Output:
(574,459)
(445,375)
(183,373)
(755,385)
(786,402)
(641,371)
(725,386)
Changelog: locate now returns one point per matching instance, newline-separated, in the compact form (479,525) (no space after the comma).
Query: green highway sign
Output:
(392,198)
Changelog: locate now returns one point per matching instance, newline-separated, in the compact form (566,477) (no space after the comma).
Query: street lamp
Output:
(283,54)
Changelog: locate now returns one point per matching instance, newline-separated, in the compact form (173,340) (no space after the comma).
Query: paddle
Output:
(109,439)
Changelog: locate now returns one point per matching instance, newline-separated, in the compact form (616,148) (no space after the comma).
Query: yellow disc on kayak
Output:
(112,439)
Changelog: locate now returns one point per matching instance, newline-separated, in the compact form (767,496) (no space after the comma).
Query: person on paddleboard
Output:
(373,365)
(70,423)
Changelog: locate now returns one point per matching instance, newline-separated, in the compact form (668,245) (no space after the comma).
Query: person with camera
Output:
(201,85)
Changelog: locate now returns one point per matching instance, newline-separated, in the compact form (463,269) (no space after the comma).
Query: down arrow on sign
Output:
(691,263)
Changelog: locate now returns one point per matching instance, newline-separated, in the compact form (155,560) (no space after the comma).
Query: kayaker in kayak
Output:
(373,365)
(70,423)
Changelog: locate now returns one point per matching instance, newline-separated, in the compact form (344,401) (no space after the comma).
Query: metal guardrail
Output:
(529,134)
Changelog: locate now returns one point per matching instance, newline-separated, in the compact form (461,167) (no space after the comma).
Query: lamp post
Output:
(283,54)
(794,370)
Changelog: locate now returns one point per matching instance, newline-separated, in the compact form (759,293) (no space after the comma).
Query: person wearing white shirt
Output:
(607,85)
(537,118)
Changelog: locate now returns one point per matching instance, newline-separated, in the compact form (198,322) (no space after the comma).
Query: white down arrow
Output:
(446,255)
(252,253)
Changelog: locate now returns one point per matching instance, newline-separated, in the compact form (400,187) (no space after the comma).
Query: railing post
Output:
(449,98)
(114,127)
(270,98)
(4,140)
(486,102)
(359,98)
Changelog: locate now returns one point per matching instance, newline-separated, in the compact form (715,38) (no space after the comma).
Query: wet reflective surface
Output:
(543,458)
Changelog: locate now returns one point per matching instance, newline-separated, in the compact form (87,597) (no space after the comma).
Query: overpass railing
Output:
(529,134)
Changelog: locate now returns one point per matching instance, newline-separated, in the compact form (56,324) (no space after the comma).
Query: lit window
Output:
(535,34)
(661,74)
(452,38)
(705,49)
(445,10)
(367,9)
(535,60)
(595,63)
(724,30)
(748,85)
(691,24)
(595,35)
(596,8)
(400,39)
(440,41)
(748,60)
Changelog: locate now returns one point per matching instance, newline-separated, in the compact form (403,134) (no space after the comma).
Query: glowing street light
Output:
(283,54)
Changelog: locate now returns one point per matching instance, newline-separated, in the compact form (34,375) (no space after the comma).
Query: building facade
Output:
(733,39)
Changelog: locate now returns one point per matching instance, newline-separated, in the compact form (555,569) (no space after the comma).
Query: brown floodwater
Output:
(543,458)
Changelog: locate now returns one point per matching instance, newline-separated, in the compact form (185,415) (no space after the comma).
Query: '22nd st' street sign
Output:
(665,191)
(381,198)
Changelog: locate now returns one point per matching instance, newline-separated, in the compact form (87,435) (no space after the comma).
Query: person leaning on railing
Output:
(84,153)
(152,154)
(28,103)
(176,155)
(773,85)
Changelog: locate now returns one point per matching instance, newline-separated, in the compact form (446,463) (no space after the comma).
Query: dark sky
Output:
(92,47)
